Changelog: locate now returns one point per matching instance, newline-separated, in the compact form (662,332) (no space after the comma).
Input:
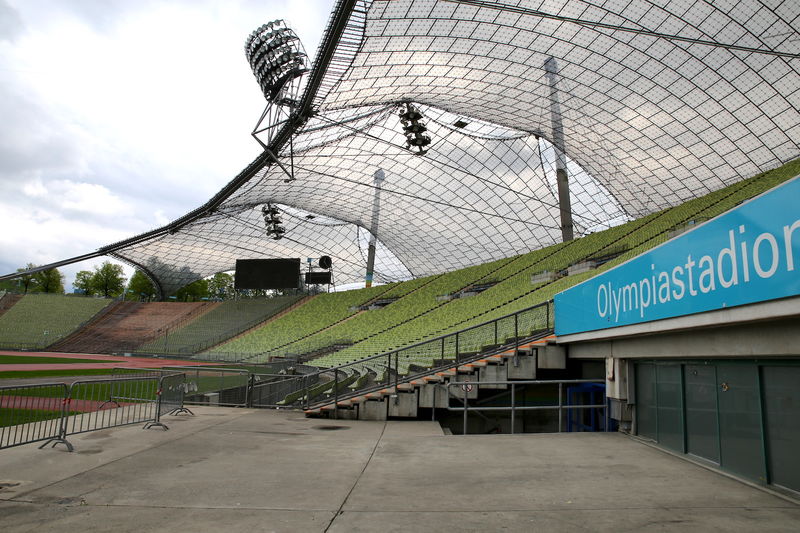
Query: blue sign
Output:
(749,254)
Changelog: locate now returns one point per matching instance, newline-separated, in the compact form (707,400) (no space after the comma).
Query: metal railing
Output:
(385,370)
(31,413)
(272,390)
(236,387)
(206,385)
(172,395)
(106,403)
(465,387)
(52,412)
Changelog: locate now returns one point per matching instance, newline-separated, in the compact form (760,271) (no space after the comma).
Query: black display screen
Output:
(267,273)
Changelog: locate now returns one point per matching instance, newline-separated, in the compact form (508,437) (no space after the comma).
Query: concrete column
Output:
(565,205)
(376,206)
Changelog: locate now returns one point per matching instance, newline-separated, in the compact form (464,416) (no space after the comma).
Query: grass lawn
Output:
(135,390)
(28,360)
(12,417)
(12,374)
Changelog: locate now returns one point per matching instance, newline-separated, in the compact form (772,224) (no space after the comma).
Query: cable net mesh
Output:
(648,121)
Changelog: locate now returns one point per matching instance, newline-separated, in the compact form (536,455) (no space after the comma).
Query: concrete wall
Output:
(756,339)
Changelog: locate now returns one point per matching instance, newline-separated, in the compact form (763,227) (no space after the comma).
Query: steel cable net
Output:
(656,104)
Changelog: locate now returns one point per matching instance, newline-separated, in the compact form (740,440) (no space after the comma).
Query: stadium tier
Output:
(220,324)
(7,301)
(416,302)
(39,320)
(318,313)
(124,326)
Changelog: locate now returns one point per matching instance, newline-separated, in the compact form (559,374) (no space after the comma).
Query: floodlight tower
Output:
(379,176)
(278,61)
(565,205)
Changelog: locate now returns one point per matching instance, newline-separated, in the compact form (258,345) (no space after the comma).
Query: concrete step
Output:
(404,404)
(430,391)
(433,395)
(552,356)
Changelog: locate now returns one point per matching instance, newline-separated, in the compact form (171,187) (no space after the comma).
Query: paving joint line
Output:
(355,483)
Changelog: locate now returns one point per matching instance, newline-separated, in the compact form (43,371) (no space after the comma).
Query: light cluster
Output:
(277,58)
(273,222)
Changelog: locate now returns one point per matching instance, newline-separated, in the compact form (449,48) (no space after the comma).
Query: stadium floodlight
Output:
(272,221)
(278,61)
(414,129)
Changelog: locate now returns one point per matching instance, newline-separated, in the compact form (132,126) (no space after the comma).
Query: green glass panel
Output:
(670,406)
(781,385)
(702,438)
(646,400)
(741,449)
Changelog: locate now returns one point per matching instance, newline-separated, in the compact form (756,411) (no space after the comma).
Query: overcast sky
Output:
(121,115)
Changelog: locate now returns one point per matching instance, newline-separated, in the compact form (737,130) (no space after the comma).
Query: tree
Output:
(193,291)
(49,281)
(221,286)
(140,287)
(83,282)
(27,281)
(108,280)
(9,285)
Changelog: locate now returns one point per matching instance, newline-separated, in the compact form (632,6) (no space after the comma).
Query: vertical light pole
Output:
(565,205)
(379,176)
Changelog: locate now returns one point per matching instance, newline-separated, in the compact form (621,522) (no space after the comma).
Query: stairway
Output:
(8,300)
(431,391)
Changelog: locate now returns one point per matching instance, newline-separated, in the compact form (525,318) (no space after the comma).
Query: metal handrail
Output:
(391,357)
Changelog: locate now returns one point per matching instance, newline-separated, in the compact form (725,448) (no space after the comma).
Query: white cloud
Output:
(34,189)
(90,198)
(160,218)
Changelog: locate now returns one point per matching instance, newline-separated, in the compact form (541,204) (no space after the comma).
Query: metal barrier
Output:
(272,390)
(466,388)
(259,389)
(171,394)
(51,412)
(207,385)
(106,403)
(32,413)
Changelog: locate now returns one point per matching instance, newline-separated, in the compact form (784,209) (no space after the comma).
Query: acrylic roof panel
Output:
(658,103)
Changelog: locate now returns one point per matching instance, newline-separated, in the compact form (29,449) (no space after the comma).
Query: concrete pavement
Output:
(278,471)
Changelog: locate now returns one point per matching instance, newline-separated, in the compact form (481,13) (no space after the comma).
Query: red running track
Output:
(54,404)
(103,361)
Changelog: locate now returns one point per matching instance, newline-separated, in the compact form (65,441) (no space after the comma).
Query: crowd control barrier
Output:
(49,413)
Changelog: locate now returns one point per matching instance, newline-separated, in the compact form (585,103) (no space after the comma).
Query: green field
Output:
(30,360)
(19,374)
(142,390)
(13,417)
